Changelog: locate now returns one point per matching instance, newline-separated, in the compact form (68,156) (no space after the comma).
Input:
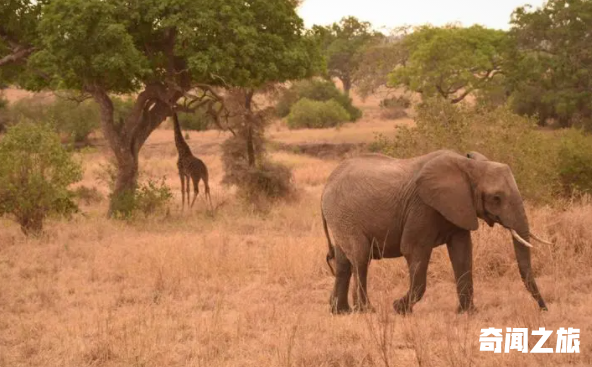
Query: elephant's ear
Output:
(444,185)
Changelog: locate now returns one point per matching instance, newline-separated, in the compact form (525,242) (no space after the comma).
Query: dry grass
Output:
(245,289)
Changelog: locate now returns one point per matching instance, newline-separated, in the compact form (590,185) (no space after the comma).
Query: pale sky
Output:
(393,13)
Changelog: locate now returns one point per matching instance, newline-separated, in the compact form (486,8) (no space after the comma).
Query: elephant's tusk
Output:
(540,239)
(520,239)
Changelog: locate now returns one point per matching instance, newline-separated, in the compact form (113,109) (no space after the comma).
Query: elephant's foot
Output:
(402,306)
(365,308)
(469,310)
(338,308)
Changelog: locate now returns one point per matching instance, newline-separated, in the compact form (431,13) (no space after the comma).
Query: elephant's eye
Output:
(497,199)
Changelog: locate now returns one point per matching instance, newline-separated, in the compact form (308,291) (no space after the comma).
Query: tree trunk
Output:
(126,138)
(122,197)
(249,116)
(346,85)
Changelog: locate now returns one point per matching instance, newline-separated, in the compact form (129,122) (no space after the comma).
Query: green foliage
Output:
(35,172)
(499,134)
(316,90)
(307,113)
(158,50)
(450,61)
(261,183)
(394,107)
(152,197)
(575,162)
(378,60)
(343,44)
(88,195)
(71,119)
(149,198)
(550,69)
(197,121)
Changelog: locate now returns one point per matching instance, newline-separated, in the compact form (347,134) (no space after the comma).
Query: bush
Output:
(88,195)
(198,121)
(316,90)
(149,198)
(152,197)
(575,162)
(72,119)
(265,181)
(307,113)
(394,108)
(35,172)
(542,167)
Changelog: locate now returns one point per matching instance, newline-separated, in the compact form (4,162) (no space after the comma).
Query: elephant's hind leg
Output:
(361,301)
(343,272)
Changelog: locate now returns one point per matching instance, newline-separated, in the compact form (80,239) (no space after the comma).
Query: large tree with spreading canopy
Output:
(166,53)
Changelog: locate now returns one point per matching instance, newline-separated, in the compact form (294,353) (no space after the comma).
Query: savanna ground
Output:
(251,289)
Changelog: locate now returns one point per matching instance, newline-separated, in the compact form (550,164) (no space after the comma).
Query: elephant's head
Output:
(464,188)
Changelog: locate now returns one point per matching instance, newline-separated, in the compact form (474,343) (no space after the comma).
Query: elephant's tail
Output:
(331,252)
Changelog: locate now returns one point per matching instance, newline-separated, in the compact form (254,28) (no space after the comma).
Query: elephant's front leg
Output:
(460,251)
(417,261)
(343,272)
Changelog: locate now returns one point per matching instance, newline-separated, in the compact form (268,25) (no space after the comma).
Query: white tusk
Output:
(539,239)
(520,239)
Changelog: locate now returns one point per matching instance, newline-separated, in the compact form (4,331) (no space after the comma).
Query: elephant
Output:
(376,207)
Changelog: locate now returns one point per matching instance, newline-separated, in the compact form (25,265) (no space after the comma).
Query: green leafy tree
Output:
(162,51)
(552,67)
(343,44)
(35,172)
(18,34)
(451,62)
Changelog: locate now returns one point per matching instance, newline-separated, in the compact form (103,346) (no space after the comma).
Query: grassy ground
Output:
(247,289)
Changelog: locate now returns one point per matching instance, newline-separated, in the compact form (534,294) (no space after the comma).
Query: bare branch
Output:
(18,54)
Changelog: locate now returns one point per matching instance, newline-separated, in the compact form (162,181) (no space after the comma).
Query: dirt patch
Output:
(323,150)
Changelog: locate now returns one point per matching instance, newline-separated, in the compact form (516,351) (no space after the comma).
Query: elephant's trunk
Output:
(524,263)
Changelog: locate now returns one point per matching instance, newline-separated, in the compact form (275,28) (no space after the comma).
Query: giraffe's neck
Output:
(181,144)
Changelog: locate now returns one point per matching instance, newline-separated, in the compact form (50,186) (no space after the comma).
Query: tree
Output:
(450,61)
(552,66)
(168,54)
(35,172)
(343,43)
(378,60)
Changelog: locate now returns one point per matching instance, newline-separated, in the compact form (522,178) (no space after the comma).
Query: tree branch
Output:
(18,54)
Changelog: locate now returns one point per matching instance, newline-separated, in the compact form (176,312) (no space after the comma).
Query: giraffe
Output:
(189,166)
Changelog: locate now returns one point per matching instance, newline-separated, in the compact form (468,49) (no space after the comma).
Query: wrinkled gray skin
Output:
(379,207)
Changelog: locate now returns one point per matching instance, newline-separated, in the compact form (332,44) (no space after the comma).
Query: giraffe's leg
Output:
(195,189)
(182,177)
(188,189)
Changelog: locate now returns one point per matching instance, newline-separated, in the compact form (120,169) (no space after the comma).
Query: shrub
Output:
(198,121)
(88,195)
(152,197)
(74,120)
(394,108)
(316,90)
(398,102)
(265,181)
(575,162)
(35,172)
(149,198)
(499,134)
(307,113)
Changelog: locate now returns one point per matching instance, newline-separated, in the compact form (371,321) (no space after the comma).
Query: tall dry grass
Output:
(247,289)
